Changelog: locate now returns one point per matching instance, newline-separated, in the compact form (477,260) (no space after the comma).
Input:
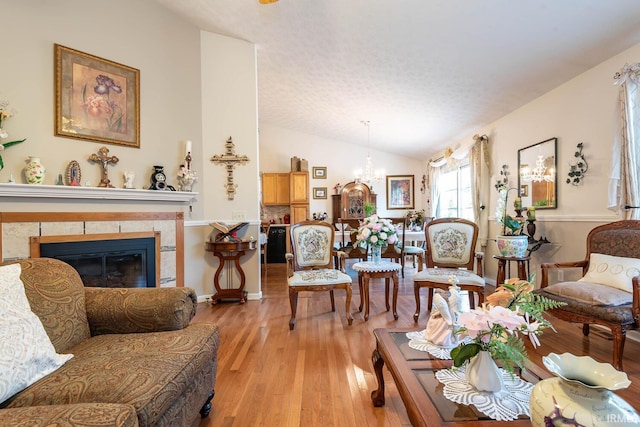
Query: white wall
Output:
(581,110)
(278,145)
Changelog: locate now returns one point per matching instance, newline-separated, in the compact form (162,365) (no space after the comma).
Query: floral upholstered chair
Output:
(450,251)
(309,267)
(608,294)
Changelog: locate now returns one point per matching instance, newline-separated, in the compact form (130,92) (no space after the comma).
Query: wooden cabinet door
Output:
(275,188)
(354,196)
(299,189)
(299,213)
(282,189)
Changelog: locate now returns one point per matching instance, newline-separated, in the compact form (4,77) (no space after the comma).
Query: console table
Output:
(414,372)
(228,252)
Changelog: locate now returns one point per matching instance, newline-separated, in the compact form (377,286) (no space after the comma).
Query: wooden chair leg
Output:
(416,292)
(585,329)
(347,308)
(619,334)
(333,301)
(293,301)
(429,298)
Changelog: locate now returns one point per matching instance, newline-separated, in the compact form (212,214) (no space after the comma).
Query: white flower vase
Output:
(513,246)
(483,373)
(376,254)
(34,171)
(582,394)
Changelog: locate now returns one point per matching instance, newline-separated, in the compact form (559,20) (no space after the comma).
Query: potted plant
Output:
(511,242)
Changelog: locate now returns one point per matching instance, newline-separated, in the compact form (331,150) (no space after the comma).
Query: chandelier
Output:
(368,176)
(537,174)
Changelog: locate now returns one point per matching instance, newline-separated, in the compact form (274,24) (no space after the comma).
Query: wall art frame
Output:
(319,172)
(96,99)
(400,192)
(319,192)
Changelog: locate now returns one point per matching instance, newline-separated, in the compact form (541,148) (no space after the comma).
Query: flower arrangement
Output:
(511,311)
(5,113)
(415,218)
(510,225)
(375,231)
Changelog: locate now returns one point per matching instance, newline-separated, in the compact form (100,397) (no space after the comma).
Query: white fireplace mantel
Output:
(80,193)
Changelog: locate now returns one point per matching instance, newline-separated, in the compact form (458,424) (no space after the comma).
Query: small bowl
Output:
(586,371)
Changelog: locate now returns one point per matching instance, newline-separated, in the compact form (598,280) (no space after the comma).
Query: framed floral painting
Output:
(96,99)
(400,192)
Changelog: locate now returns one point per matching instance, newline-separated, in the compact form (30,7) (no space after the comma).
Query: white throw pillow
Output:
(26,354)
(613,271)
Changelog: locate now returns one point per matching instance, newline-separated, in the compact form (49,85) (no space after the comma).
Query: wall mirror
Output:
(537,170)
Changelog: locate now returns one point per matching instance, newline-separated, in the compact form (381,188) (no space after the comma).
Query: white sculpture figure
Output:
(444,316)
(128,179)
(186,178)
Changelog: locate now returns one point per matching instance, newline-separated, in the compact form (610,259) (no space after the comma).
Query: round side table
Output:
(368,270)
(522,263)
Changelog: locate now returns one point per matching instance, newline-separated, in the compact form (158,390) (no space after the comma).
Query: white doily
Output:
(506,405)
(417,341)
(376,267)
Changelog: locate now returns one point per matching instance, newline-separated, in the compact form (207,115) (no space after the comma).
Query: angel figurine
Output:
(444,317)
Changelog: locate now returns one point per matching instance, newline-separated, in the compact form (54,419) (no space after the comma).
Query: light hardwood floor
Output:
(320,374)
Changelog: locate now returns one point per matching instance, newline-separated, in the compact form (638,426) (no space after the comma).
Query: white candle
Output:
(187,149)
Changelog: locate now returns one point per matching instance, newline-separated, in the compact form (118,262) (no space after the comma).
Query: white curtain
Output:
(624,183)
(479,165)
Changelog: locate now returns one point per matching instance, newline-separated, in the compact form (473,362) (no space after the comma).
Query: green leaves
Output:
(464,352)
(7,145)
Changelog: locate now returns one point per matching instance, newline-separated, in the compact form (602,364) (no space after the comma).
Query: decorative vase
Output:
(376,254)
(483,373)
(513,246)
(581,394)
(34,171)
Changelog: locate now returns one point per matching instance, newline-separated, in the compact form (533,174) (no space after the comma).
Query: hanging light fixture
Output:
(368,176)
(537,174)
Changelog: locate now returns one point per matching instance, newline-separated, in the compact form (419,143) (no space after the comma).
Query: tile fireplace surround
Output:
(48,212)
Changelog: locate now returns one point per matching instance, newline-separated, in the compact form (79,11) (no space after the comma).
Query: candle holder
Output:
(519,213)
(186,176)
(531,229)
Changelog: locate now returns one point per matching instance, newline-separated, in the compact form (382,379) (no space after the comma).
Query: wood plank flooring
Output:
(321,372)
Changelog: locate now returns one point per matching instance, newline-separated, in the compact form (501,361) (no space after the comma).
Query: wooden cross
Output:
(229,159)
(105,160)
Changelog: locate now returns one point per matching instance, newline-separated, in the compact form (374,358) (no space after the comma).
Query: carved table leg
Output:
(377,395)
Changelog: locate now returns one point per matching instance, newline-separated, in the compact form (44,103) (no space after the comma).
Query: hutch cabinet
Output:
(349,204)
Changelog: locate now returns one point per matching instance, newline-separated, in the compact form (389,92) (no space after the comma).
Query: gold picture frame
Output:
(96,99)
(319,172)
(400,192)
(319,192)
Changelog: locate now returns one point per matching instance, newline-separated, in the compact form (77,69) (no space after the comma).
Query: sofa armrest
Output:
(544,282)
(133,310)
(80,414)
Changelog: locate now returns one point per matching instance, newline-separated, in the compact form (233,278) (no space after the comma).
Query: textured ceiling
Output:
(425,73)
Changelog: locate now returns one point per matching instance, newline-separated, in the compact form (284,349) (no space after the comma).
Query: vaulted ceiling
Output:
(425,73)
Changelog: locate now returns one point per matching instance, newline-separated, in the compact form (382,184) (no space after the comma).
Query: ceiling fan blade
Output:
(267,1)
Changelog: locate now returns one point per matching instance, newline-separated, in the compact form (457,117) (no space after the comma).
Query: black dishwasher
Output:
(276,244)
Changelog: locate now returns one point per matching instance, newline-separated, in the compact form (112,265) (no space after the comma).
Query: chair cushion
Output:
(612,271)
(621,314)
(591,293)
(413,250)
(441,275)
(30,355)
(318,277)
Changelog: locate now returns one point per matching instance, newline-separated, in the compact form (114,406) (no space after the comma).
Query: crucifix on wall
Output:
(229,159)
(104,159)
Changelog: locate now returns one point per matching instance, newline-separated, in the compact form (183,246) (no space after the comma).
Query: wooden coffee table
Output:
(414,374)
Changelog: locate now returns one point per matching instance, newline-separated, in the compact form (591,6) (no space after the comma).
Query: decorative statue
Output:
(444,316)
(129,176)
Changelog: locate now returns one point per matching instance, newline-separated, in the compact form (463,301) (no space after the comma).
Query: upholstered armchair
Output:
(309,267)
(450,251)
(608,294)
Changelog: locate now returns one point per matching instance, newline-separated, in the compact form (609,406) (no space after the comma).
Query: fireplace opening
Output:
(116,263)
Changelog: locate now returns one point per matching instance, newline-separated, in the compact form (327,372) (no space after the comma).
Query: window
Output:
(454,185)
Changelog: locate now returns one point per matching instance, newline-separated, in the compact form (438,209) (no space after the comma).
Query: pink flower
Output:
(505,317)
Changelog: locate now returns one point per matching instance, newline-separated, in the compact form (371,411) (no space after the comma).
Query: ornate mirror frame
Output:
(537,174)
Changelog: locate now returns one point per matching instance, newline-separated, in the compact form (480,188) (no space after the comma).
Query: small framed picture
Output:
(319,172)
(319,192)
(524,190)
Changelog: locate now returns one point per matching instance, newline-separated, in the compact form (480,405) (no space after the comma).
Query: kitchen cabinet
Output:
(299,213)
(299,187)
(275,189)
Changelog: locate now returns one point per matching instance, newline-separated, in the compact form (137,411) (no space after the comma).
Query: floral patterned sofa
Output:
(136,359)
